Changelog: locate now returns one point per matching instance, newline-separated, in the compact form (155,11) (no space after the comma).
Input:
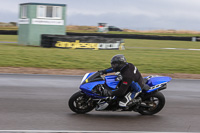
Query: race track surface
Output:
(40,102)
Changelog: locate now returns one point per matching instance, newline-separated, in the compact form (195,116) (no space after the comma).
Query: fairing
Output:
(158,80)
(89,82)
(89,86)
(110,81)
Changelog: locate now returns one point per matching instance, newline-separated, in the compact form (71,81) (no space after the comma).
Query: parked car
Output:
(114,28)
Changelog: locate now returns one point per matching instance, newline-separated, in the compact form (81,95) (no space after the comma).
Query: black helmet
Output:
(117,62)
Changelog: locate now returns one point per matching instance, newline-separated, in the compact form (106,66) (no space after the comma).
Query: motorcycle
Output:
(150,101)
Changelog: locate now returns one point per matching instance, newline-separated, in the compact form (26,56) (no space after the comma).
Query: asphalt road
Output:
(39,102)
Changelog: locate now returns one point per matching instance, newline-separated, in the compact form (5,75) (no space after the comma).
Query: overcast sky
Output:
(132,14)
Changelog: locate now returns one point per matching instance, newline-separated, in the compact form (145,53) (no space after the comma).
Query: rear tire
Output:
(80,103)
(156,101)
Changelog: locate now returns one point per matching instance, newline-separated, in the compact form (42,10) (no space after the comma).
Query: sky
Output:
(130,14)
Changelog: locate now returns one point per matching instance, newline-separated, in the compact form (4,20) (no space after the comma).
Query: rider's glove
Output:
(102,72)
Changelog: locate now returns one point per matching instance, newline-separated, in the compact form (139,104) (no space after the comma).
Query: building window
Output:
(54,12)
(49,13)
(41,12)
(57,12)
(24,11)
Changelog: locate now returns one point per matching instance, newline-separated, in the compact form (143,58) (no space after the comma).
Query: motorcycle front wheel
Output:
(80,103)
(152,104)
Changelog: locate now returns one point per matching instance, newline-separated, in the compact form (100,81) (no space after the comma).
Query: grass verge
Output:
(10,38)
(147,60)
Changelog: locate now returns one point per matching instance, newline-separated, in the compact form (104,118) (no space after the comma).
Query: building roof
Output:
(49,4)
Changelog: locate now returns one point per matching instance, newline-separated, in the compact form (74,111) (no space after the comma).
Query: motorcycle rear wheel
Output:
(80,103)
(155,101)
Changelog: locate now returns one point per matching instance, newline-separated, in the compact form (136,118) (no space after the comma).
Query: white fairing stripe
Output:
(157,86)
(84,78)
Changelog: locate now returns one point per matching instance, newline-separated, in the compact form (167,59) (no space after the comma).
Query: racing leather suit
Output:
(129,74)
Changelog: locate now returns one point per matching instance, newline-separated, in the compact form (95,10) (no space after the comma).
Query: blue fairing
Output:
(158,80)
(89,86)
(110,81)
(154,83)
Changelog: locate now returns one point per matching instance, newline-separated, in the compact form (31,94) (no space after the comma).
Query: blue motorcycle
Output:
(150,101)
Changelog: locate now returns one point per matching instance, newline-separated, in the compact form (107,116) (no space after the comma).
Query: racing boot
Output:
(134,102)
(130,99)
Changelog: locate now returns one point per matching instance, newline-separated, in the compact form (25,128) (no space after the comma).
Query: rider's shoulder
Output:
(131,65)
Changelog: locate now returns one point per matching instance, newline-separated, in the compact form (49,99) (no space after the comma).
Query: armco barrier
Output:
(81,42)
(134,36)
(124,36)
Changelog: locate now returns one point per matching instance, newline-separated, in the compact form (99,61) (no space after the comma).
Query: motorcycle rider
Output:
(129,73)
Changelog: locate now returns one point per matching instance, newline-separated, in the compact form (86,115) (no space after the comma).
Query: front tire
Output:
(80,103)
(155,103)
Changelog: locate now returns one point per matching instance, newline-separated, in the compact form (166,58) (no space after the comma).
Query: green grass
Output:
(10,38)
(147,60)
(161,44)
